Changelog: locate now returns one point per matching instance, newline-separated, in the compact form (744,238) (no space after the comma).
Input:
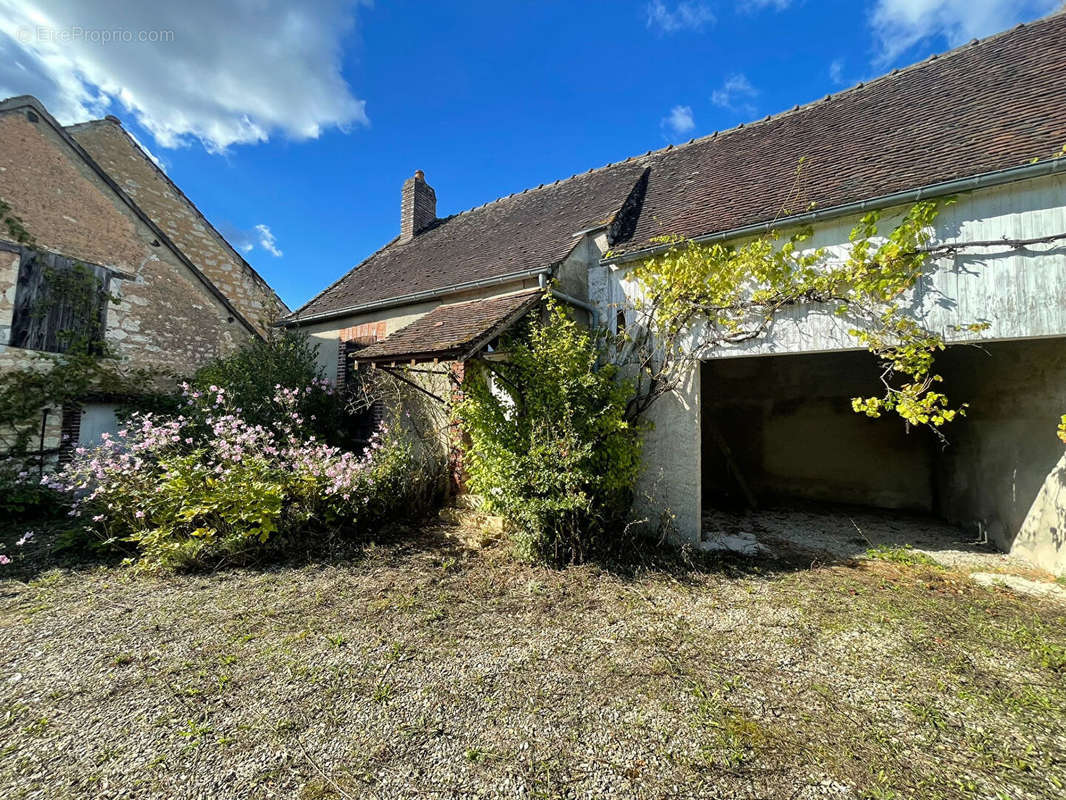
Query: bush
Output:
(252,375)
(23,496)
(209,486)
(550,446)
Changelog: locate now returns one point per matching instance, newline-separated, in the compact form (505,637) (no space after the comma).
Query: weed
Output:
(903,554)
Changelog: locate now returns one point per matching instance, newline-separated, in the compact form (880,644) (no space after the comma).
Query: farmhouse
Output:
(771,417)
(170,292)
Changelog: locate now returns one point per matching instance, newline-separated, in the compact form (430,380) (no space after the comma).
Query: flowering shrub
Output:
(208,486)
(23,540)
(253,374)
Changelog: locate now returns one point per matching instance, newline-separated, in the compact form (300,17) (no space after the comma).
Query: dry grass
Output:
(426,667)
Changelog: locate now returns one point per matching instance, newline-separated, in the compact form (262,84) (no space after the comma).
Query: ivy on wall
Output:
(63,307)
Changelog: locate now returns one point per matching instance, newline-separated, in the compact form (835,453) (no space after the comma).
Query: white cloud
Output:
(221,71)
(899,25)
(836,72)
(735,94)
(758,5)
(679,121)
(267,241)
(686,15)
(247,240)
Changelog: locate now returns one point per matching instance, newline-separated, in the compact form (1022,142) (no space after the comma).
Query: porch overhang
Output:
(456,332)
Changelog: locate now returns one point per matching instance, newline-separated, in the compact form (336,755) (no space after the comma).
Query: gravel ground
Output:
(434,665)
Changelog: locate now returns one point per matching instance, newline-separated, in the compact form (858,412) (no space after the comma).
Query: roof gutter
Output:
(592,311)
(415,297)
(983,181)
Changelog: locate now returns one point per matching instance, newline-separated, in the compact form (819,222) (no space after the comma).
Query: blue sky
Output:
(294,128)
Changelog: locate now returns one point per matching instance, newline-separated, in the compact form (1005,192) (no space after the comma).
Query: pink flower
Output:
(139,514)
(4,559)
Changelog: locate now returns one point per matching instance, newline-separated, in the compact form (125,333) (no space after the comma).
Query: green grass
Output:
(902,554)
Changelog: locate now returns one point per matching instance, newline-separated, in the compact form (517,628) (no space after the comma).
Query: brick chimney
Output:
(418,206)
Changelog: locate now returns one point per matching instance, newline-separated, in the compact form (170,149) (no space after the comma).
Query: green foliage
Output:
(14,227)
(550,445)
(188,514)
(286,359)
(80,292)
(903,554)
(238,496)
(52,382)
(739,290)
(22,496)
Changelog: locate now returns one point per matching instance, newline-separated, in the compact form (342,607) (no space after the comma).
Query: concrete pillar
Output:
(670,487)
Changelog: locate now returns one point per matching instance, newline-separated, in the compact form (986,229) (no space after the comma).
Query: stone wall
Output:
(168,207)
(166,317)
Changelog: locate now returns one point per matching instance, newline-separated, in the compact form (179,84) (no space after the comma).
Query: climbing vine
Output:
(701,296)
(83,365)
(15,229)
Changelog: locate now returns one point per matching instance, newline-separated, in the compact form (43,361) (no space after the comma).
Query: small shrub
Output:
(208,486)
(23,496)
(551,449)
(252,375)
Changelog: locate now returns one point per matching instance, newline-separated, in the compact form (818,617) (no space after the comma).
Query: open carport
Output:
(779,431)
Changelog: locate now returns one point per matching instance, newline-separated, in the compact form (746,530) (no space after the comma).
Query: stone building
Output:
(985,123)
(90,197)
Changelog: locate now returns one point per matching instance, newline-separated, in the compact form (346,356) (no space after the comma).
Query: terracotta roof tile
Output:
(451,331)
(523,231)
(983,107)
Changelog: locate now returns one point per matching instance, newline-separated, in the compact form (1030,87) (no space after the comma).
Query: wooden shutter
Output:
(45,319)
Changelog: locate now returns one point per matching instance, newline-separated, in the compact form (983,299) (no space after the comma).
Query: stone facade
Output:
(139,177)
(169,315)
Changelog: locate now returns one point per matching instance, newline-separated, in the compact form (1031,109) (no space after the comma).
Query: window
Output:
(357,384)
(60,304)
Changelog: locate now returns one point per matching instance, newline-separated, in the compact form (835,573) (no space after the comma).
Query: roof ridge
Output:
(769,118)
(241,261)
(295,312)
(884,77)
(26,100)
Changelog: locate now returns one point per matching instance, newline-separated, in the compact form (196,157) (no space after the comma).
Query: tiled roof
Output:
(983,107)
(451,331)
(520,232)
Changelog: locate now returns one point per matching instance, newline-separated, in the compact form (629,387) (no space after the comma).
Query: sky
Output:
(293,126)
